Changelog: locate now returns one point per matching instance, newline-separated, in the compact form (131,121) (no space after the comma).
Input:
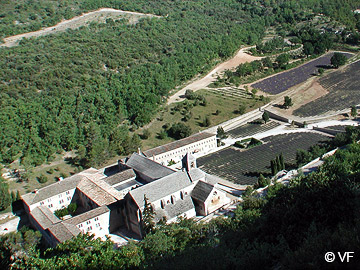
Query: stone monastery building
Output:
(112,198)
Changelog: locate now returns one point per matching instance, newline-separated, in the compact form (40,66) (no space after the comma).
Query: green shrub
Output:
(72,208)
(42,179)
(238,144)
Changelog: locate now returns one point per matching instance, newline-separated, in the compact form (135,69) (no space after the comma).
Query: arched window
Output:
(172,199)
(181,195)
(162,204)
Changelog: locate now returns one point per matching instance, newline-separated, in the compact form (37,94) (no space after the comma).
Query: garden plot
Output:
(285,80)
(243,166)
(251,129)
(344,91)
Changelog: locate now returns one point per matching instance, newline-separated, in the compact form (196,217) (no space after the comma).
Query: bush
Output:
(254,142)
(61,212)
(72,208)
(162,135)
(42,179)
(179,131)
(238,144)
(146,134)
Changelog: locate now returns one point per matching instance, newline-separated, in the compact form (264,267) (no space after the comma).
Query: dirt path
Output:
(100,14)
(240,58)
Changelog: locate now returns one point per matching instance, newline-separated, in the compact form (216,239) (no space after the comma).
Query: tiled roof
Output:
(148,167)
(196,174)
(173,210)
(202,191)
(60,187)
(161,188)
(99,192)
(44,217)
(63,231)
(177,144)
(87,215)
(120,177)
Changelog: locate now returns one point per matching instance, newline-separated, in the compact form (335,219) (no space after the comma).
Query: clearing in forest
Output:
(100,15)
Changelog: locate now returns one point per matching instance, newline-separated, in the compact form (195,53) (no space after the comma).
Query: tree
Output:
(353,111)
(207,121)
(265,117)
(262,181)
(221,133)
(338,59)
(148,217)
(5,197)
(287,102)
(281,161)
(42,179)
(146,134)
(242,109)
(179,131)
(282,60)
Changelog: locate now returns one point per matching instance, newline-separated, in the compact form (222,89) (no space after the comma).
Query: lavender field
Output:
(344,91)
(283,81)
(243,166)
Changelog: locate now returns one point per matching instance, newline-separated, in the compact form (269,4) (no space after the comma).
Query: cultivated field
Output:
(232,92)
(283,81)
(243,166)
(344,91)
(251,129)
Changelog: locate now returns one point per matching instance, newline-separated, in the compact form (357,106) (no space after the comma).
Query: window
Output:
(41,203)
(88,222)
(172,199)
(80,226)
(162,204)
(60,195)
(50,205)
(96,219)
(68,198)
(61,201)
(181,195)
(67,192)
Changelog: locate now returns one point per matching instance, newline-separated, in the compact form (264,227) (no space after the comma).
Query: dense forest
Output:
(291,227)
(83,89)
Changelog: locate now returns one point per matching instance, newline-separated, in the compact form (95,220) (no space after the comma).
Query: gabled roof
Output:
(148,167)
(68,183)
(44,217)
(99,192)
(120,177)
(63,231)
(87,215)
(196,174)
(161,188)
(177,144)
(202,191)
(173,210)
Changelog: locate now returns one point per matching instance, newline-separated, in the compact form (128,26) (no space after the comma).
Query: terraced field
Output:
(243,166)
(252,129)
(283,81)
(344,91)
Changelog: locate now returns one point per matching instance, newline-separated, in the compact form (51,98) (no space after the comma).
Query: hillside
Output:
(85,88)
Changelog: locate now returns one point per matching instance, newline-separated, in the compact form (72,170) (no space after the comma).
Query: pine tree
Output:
(13,196)
(148,216)
(18,196)
(282,162)
(5,198)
